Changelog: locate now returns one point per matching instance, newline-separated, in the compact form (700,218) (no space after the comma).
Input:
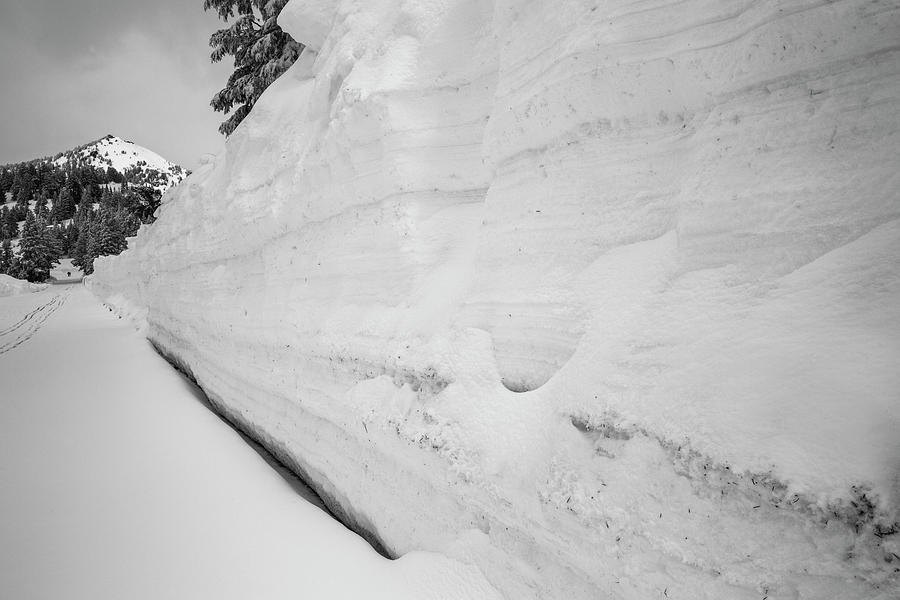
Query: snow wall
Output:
(600,297)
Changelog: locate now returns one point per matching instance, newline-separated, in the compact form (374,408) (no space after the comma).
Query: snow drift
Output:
(10,286)
(600,297)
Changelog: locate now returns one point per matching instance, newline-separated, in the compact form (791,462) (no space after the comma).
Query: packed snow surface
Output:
(118,482)
(602,298)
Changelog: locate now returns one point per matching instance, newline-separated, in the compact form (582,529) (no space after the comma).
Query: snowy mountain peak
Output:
(138,164)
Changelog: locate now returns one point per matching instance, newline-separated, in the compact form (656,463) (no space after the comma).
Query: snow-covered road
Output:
(116,481)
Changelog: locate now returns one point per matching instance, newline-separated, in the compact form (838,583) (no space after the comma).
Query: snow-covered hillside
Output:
(143,166)
(602,298)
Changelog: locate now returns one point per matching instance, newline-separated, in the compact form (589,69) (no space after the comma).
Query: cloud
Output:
(85,68)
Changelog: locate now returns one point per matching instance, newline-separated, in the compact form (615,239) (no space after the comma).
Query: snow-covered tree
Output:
(38,249)
(262,51)
(6,257)
(79,252)
(40,206)
(74,189)
(64,206)
(102,235)
(8,230)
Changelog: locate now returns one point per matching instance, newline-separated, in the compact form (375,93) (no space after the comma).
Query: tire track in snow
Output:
(24,319)
(23,330)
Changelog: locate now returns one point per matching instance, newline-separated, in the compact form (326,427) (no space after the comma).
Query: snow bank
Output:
(10,286)
(601,298)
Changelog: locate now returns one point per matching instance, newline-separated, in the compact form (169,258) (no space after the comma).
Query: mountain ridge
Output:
(135,163)
(128,158)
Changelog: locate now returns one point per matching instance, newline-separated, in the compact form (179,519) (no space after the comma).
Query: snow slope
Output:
(122,155)
(600,297)
(119,483)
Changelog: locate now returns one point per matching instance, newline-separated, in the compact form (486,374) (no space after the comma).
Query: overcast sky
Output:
(72,71)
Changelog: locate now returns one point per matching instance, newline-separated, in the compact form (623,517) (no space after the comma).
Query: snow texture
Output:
(601,298)
(120,483)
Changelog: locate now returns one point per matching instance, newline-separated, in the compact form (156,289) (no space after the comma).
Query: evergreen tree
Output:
(84,214)
(143,202)
(47,182)
(5,231)
(12,223)
(79,252)
(70,238)
(128,225)
(112,237)
(57,234)
(6,257)
(92,193)
(23,182)
(40,206)
(5,183)
(37,249)
(113,176)
(74,189)
(262,51)
(64,206)
(108,200)
(101,236)
(23,197)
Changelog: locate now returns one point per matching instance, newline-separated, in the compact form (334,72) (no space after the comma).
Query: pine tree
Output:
(101,236)
(262,51)
(64,206)
(6,257)
(113,176)
(53,242)
(58,235)
(74,189)
(12,223)
(92,193)
(80,257)
(84,214)
(5,231)
(37,249)
(130,225)
(40,206)
(23,197)
(143,202)
(70,239)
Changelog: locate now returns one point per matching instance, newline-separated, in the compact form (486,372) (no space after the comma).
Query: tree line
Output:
(67,211)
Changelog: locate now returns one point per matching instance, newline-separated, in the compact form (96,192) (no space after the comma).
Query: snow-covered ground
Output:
(608,290)
(118,482)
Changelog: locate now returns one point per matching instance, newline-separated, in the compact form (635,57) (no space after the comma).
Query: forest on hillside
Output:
(52,210)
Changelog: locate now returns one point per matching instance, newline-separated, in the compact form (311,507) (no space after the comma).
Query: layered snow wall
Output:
(602,297)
